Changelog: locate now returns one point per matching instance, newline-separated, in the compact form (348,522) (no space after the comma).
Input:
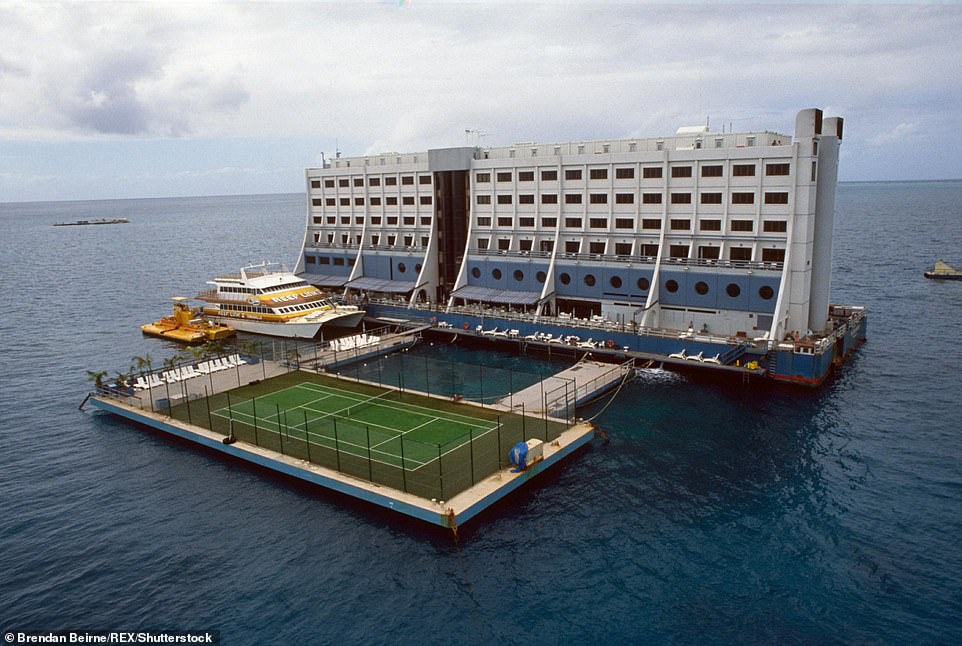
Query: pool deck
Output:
(444,513)
(586,381)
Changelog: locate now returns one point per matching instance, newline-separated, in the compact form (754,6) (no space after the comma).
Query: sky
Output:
(104,100)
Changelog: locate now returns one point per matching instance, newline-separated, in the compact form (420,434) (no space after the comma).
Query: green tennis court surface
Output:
(365,425)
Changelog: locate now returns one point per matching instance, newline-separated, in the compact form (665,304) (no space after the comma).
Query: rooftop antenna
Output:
(337,150)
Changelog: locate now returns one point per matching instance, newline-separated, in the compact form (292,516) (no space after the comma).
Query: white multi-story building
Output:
(725,232)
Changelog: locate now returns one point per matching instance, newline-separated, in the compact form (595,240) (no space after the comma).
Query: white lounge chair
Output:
(678,355)
(696,357)
(715,360)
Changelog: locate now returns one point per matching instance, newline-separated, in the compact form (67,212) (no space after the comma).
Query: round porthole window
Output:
(400,267)
(643,284)
(476,272)
(417,268)
(565,279)
(541,276)
(590,280)
(518,275)
(766,292)
(733,290)
(671,286)
(615,281)
(701,287)
(496,274)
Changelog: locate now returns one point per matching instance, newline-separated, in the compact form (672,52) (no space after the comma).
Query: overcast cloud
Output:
(141,99)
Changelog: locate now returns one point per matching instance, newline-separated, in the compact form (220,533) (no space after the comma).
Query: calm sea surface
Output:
(715,515)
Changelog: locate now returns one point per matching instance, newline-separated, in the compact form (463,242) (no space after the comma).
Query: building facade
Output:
(725,233)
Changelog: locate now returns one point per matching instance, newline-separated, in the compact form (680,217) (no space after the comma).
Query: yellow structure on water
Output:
(185,327)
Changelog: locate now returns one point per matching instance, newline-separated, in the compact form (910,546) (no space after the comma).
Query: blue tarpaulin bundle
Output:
(519,456)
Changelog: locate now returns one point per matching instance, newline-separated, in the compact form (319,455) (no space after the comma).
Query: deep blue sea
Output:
(717,514)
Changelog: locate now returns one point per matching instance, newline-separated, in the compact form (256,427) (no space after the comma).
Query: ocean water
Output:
(716,514)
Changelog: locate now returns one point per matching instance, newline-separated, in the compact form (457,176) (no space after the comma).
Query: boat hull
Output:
(934,276)
(300,328)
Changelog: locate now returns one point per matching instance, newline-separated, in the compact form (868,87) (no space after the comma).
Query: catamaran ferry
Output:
(268,299)
(714,244)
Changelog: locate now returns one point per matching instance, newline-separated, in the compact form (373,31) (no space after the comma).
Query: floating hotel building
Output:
(725,235)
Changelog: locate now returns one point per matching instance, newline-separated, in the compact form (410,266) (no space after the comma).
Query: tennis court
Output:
(380,426)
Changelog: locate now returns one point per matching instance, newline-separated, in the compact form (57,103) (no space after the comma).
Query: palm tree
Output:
(97,377)
(143,362)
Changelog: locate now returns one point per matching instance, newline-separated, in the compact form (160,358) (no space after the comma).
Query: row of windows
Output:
(738,197)
(376,220)
(406,200)
(705,252)
(769,226)
(373,181)
(649,172)
(644,284)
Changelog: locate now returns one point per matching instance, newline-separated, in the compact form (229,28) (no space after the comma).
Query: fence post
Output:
(471,447)
(210,422)
(523,419)
(427,377)
(186,400)
(498,430)
(440,474)
(230,417)
(370,465)
(481,382)
(280,436)
(170,412)
(404,471)
(307,437)
(337,450)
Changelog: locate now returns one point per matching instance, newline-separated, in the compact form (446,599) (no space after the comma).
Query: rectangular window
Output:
(482,243)
(525,245)
(814,169)
(391,240)
(549,176)
(776,198)
(525,222)
(482,178)
(390,181)
(651,198)
(679,224)
(424,180)
(711,171)
(572,246)
(331,220)
(323,260)
(711,198)
(345,201)
(338,262)
(681,198)
(773,255)
(649,250)
(525,175)
(681,171)
(651,173)
(774,170)
(359,220)
(775,226)
(573,223)
(376,219)
(650,223)
(742,225)
(484,221)
(408,220)
(344,183)
(710,225)
(407,180)
(598,173)
(391,201)
(426,222)
(549,223)
(484,199)
(743,198)
(316,201)
(329,183)
(504,244)
(407,200)
(375,240)
(624,223)
(318,219)
(425,200)
(547,246)
(624,198)
(504,199)
(505,222)
(596,247)
(374,181)
(573,174)
(573,198)
(708,253)
(358,201)
(549,198)
(598,223)
(315,183)
(526,199)
(743,170)
(359,182)
(678,251)
(504,177)
(392,221)
(598,198)
(622,248)
(624,173)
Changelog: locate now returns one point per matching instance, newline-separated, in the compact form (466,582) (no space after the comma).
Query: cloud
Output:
(897,134)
